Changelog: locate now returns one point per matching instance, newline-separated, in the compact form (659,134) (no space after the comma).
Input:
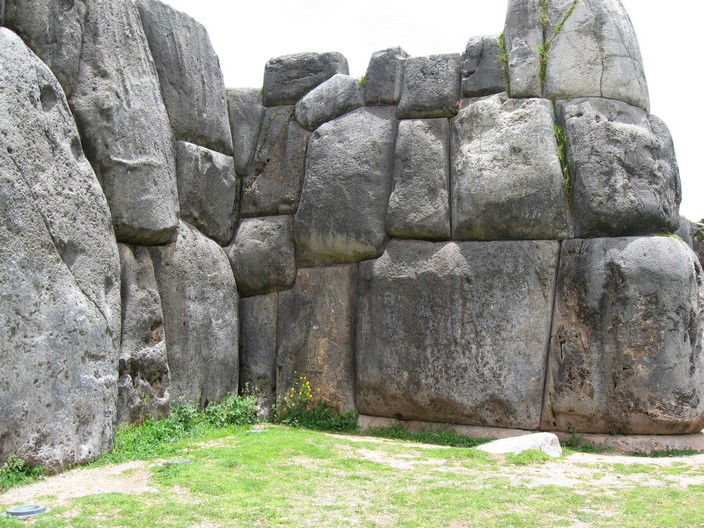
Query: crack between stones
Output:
(551,328)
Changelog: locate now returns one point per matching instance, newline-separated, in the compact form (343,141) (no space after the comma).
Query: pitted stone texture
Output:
(595,54)
(346,189)
(455,332)
(384,77)
(190,75)
(626,350)
(336,96)
(246,115)
(431,86)
(482,73)
(59,276)
(258,349)
(524,37)
(207,190)
(117,104)
(274,183)
(143,383)
(262,255)
(419,206)
(623,166)
(316,335)
(200,305)
(507,181)
(290,77)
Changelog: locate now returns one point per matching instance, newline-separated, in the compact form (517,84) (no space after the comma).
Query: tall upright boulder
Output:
(246,114)
(59,276)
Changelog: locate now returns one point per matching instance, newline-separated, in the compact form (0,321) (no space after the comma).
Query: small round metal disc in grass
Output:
(26,511)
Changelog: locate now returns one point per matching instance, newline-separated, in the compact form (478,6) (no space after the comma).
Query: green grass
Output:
(544,48)
(363,80)
(564,164)
(503,60)
(15,472)
(442,438)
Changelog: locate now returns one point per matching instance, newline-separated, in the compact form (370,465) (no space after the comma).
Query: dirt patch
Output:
(388,441)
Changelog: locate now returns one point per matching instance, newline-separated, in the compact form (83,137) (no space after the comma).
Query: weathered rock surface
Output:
(595,53)
(384,77)
(262,255)
(143,383)
(246,115)
(419,206)
(316,334)
(207,190)
(548,443)
(290,77)
(686,231)
(507,182)
(258,349)
(342,214)
(626,349)
(456,333)
(482,73)
(200,305)
(116,101)
(59,276)
(623,167)
(336,96)
(191,80)
(524,37)
(274,183)
(431,86)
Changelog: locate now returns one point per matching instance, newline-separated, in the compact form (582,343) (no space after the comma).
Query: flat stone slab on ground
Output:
(548,443)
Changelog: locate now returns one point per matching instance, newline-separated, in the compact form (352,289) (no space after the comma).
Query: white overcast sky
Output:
(247,33)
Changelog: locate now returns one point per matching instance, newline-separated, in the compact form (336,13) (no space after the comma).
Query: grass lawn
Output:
(301,478)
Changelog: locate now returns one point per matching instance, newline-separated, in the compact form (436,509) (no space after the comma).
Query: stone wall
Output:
(475,238)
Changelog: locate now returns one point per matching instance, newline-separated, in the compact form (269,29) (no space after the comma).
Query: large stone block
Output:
(456,332)
(431,86)
(190,75)
(59,276)
(384,77)
(346,189)
(507,182)
(143,383)
(290,77)
(208,190)
(482,71)
(262,255)
(626,350)
(200,305)
(419,206)
(336,96)
(524,36)
(273,185)
(246,115)
(258,349)
(99,50)
(624,171)
(316,335)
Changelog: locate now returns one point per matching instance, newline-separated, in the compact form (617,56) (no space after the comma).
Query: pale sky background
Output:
(247,33)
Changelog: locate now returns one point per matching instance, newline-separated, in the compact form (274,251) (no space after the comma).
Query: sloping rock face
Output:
(100,53)
(627,342)
(59,276)
(336,96)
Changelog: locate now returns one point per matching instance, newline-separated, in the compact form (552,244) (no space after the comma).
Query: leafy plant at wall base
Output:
(16,472)
(562,154)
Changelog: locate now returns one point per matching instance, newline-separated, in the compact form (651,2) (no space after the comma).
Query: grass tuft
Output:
(16,472)
(544,49)
(443,438)
(503,60)
(363,80)
(527,457)
(567,184)
(577,442)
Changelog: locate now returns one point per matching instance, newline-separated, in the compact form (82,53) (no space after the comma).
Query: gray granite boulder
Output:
(336,96)
(342,214)
(594,54)
(273,186)
(507,182)
(548,443)
(456,332)
(523,34)
(316,335)
(384,77)
(59,276)
(290,77)
(208,190)
(200,305)
(117,104)
(258,349)
(482,71)
(626,349)
(419,206)
(246,115)
(623,167)
(143,383)
(190,75)
(431,86)
(262,255)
